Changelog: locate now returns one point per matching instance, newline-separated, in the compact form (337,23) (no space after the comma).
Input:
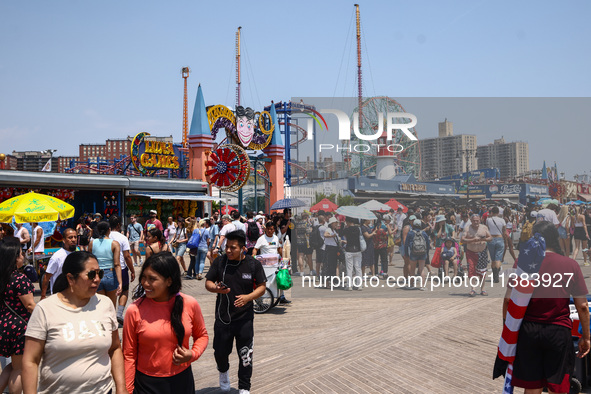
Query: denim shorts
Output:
(496,247)
(181,249)
(562,233)
(109,281)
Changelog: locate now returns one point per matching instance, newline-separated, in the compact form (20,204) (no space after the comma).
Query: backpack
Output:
(526,231)
(252,231)
(316,240)
(418,247)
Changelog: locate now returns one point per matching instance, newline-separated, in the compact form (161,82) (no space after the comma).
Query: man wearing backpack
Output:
(416,247)
(253,231)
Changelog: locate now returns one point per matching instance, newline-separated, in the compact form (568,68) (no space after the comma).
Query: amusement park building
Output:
(112,194)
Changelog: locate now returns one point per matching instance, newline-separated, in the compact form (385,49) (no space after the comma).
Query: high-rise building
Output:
(511,158)
(35,161)
(447,154)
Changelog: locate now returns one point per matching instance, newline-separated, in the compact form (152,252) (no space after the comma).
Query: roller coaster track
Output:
(298,128)
(299,168)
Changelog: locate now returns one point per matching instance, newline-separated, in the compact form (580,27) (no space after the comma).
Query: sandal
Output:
(483,293)
(472,293)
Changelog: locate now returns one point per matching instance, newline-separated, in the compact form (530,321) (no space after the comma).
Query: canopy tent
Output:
(375,205)
(324,205)
(226,210)
(395,204)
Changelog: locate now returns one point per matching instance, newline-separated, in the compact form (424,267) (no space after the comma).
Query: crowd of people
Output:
(85,289)
(454,240)
(86,286)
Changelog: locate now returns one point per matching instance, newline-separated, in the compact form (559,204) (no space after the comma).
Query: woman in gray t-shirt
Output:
(72,340)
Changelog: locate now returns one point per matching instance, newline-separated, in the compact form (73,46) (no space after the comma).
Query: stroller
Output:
(581,377)
(459,254)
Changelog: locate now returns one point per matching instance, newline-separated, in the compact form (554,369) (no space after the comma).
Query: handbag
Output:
(195,239)
(436,261)
(283,279)
(31,273)
(362,243)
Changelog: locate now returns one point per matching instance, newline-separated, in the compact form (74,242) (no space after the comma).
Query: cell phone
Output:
(222,285)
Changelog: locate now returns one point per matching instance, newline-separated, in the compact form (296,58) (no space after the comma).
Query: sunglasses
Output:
(92,274)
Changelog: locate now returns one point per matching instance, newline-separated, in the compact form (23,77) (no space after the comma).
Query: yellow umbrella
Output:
(34,207)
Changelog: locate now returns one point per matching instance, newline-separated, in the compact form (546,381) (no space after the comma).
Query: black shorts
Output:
(125,280)
(545,357)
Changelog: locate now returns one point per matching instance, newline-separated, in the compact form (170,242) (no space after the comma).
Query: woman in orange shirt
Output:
(156,331)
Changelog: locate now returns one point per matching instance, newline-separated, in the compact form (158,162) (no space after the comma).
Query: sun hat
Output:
(439,218)
(533,214)
(333,220)
(412,217)
(227,217)
(417,223)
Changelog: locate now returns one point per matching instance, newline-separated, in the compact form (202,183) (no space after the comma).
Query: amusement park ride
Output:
(234,164)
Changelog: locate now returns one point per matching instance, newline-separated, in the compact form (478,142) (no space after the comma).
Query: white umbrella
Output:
(375,205)
(356,212)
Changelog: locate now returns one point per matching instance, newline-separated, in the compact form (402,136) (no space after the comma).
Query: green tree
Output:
(345,200)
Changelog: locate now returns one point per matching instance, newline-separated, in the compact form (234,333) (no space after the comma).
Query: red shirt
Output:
(559,278)
(149,340)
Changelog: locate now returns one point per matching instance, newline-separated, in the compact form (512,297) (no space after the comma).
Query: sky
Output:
(76,72)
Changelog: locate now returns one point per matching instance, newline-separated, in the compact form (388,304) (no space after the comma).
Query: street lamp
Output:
(468,154)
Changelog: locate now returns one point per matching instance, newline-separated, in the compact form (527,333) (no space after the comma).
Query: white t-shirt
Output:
(322,229)
(123,246)
(77,341)
(495,225)
(330,241)
(171,231)
(267,245)
(41,246)
(54,267)
(239,225)
(228,228)
(547,215)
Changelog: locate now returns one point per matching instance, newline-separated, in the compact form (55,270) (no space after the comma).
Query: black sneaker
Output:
(120,321)
(283,300)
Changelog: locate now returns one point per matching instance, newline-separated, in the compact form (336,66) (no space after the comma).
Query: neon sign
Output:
(149,155)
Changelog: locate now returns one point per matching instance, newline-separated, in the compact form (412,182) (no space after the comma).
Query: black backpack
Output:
(316,240)
(252,232)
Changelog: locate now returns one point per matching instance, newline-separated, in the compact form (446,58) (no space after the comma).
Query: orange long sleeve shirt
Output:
(149,340)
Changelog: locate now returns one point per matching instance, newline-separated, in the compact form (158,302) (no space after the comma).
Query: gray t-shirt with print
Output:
(77,341)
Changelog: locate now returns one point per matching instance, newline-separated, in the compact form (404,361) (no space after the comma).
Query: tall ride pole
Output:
(238,66)
(240,194)
(359,85)
(185,73)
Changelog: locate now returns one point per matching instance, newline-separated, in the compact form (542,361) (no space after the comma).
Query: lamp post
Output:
(468,154)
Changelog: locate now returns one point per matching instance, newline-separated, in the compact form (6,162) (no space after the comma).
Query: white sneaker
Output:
(242,391)
(225,381)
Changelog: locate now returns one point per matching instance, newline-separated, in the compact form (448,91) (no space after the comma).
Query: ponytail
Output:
(60,284)
(176,319)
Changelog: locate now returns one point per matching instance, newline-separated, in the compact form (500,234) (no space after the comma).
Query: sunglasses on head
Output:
(92,274)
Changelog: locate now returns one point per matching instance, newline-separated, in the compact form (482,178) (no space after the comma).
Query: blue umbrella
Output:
(356,212)
(288,203)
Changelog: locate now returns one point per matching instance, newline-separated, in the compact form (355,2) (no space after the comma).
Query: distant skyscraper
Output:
(447,154)
(511,158)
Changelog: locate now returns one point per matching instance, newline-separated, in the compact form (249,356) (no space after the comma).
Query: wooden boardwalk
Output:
(366,345)
(379,340)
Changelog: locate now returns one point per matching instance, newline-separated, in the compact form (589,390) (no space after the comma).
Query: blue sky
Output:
(76,72)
